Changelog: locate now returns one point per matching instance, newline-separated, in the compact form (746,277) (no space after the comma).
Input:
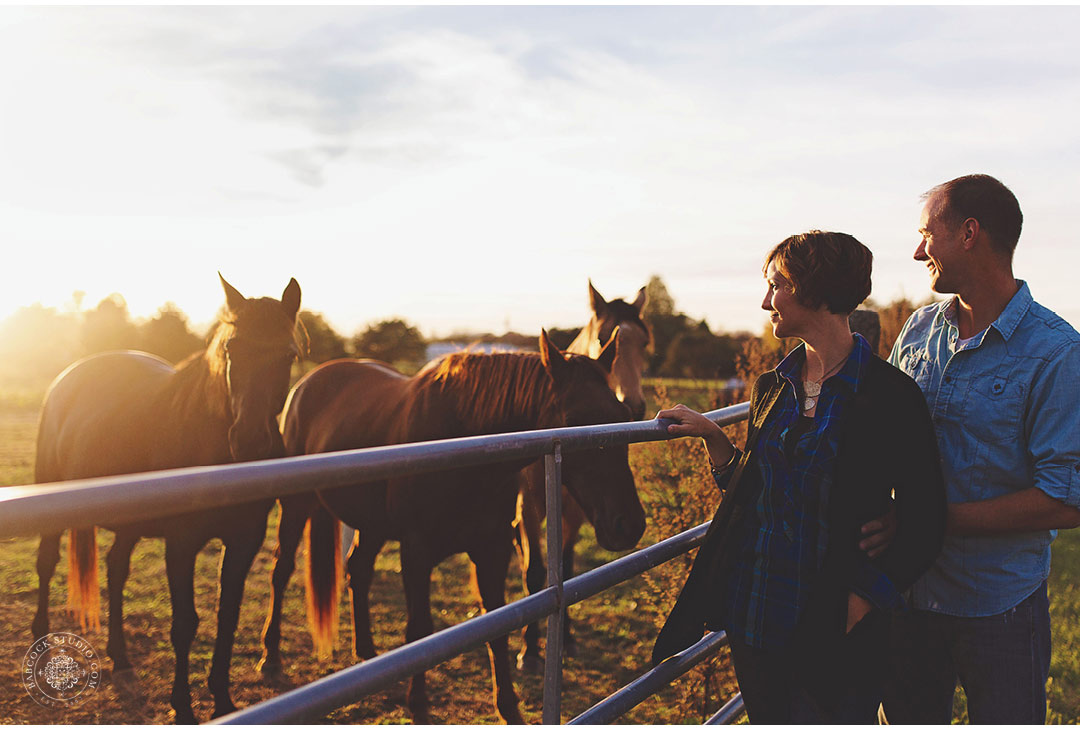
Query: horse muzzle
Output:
(247,443)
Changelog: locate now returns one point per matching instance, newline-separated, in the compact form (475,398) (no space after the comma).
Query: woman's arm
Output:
(919,488)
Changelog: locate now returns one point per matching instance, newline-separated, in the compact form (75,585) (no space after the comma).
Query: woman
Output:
(833,432)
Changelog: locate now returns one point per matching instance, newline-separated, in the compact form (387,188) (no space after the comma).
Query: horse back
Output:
(94,421)
(344,404)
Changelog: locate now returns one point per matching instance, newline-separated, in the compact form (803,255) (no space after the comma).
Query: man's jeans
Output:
(1002,661)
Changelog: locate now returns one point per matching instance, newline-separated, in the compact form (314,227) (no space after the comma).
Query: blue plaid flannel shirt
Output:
(783,540)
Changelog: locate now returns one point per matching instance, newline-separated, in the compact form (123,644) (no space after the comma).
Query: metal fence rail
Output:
(116,500)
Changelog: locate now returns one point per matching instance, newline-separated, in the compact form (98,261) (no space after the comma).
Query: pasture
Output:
(614,630)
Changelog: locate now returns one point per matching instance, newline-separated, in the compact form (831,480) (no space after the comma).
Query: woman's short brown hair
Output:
(824,268)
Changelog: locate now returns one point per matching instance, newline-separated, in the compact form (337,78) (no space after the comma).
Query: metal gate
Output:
(49,508)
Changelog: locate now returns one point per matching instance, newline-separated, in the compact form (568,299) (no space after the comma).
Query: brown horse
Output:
(349,404)
(608,318)
(128,412)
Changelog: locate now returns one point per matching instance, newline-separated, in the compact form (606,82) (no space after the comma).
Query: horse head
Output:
(254,349)
(600,479)
(624,320)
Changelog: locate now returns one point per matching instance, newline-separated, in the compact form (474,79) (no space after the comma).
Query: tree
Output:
(698,353)
(657,299)
(392,341)
(36,343)
(109,327)
(324,343)
(562,338)
(167,335)
(663,321)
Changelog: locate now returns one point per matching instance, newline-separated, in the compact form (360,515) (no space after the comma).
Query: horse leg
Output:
(573,518)
(119,566)
(416,576)
(47,558)
(530,659)
(180,570)
(294,514)
(238,554)
(490,564)
(361,572)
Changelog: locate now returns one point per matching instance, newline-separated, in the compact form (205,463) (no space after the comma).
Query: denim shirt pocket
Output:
(994,406)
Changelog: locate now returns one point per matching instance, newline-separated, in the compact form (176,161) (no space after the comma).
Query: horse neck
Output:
(498,393)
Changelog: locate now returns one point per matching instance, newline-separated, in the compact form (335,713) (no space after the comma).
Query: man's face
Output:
(939,249)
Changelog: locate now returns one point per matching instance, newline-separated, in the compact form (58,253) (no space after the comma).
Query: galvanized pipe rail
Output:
(39,508)
(116,500)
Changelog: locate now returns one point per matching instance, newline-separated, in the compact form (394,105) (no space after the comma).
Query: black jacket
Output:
(887,445)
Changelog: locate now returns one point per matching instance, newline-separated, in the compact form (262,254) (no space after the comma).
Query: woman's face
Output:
(789,317)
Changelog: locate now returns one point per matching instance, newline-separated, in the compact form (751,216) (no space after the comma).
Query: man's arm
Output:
(1028,510)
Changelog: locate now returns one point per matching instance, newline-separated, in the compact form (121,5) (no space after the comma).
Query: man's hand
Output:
(857,608)
(879,533)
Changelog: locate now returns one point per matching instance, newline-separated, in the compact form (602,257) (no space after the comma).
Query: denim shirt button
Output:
(998,387)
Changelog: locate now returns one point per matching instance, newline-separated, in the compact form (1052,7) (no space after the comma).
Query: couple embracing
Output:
(886,529)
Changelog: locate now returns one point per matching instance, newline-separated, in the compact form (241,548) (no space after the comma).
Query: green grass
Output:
(615,630)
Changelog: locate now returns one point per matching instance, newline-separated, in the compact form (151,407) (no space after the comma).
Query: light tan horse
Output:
(621,321)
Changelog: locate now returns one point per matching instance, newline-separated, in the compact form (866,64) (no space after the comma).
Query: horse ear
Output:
(290,299)
(610,351)
(234,300)
(553,358)
(639,301)
(596,301)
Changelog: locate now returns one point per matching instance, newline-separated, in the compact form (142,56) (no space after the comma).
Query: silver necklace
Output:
(812,388)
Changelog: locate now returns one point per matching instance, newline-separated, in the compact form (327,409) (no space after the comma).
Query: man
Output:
(1000,375)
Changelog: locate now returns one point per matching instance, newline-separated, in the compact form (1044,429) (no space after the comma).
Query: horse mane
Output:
(199,381)
(502,390)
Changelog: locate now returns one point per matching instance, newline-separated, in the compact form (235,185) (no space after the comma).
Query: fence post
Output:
(553,648)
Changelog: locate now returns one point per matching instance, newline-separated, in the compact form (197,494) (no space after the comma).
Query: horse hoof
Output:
(126,684)
(39,628)
(513,718)
(272,674)
(530,663)
(221,711)
(185,717)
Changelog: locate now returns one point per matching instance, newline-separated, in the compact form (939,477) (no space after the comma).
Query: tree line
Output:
(37,342)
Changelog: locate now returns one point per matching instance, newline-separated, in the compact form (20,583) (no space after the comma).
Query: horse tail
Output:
(324,579)
(83,597)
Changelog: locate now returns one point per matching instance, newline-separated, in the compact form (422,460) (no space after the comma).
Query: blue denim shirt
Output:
(1006,410)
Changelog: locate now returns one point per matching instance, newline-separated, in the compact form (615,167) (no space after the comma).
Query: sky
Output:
(472,168)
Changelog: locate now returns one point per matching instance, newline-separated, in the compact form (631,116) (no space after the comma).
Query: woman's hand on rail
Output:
(689,422)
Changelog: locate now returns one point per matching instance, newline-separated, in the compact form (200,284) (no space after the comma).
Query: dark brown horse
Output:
(127,412)
(350,404)
(623,321)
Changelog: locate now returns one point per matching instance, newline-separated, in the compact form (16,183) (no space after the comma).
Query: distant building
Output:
(438,349)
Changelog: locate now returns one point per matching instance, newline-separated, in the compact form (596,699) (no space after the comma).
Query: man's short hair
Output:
(830,269)
(987,200)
